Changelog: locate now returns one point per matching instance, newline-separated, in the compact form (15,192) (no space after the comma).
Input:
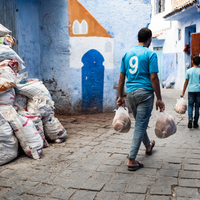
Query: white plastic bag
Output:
(165,125)
(8,142)
(39,126)
(3,31)
(40,105)
(7,79)
(7,98)
(181,106)
(13,64)
(25,131)
(121,122)
(20,102)
(4,110)
(53,129)
(6,53)
(33,88)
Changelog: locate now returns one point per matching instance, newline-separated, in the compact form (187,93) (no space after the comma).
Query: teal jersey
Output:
(137,64)
(193,75)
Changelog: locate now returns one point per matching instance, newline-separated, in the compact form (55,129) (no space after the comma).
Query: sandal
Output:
(152,146)
(134,168)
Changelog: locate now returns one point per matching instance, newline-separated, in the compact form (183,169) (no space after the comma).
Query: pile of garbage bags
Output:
(26,107)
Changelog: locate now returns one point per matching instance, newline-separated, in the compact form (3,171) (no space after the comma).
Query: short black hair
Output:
(196,60)
(144,34)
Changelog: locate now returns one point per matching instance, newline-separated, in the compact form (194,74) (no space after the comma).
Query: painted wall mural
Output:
(92,51)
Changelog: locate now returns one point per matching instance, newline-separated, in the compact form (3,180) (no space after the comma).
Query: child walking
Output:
(193,82)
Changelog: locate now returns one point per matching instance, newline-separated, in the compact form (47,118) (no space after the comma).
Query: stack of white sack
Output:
(181,106)
(121,122)
(40,104)
(165,125)
(10,65)
(8,77)
(26,132)
(8,142)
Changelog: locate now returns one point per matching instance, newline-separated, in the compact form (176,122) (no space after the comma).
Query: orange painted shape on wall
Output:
(82,23)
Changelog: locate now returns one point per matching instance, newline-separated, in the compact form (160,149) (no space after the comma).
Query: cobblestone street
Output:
(91,163)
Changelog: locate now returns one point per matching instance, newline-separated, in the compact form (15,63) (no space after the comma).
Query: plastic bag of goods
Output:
(7,40)
(6,53)
(39,126)
(181,106)
(165,125)
(13,64)
(7,98)
(53,129)
(3,31)
(122,122)
(34,88)
(7,79)
(25,131)
(39,105)
(8,142)
(20,102)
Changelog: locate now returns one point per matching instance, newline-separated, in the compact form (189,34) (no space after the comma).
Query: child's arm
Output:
(184,87)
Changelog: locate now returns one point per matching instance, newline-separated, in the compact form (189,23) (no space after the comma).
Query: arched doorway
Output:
(92,82)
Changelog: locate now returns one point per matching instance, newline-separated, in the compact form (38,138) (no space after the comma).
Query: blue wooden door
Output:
(92,82)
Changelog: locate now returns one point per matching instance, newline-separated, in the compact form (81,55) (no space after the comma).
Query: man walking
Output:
(140,66)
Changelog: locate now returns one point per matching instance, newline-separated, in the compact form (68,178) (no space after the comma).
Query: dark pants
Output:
(193,100)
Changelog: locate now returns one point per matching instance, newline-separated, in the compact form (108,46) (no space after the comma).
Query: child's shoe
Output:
(190,123)
(195,125)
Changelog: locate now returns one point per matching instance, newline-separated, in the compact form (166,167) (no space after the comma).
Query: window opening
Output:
(160,6)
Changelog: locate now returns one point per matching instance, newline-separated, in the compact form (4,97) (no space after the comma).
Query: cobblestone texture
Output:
(91,163)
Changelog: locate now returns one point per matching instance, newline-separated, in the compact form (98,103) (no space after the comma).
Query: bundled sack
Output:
(8,142)
(13,64)
(6,53)
(53,129)
(122,122)
(7,79)
(4,110)
(20,102)
(7,40)
(34,88)
(8,97)
(39,126)
(39,105)
(22,78)
(181,106)
(165,125)
(3,31)
(25,131)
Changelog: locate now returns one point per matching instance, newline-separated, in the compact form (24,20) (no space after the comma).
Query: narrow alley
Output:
(91,163)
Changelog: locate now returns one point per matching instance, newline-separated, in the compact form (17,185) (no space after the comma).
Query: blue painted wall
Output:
(169,66)
(122,19)
(42,33)
(54,47)
(27,34)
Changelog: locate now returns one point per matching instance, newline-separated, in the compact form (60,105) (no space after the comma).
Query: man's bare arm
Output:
(184,87)
(120,100)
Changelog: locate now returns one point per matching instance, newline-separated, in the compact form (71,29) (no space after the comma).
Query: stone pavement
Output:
(91,163)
